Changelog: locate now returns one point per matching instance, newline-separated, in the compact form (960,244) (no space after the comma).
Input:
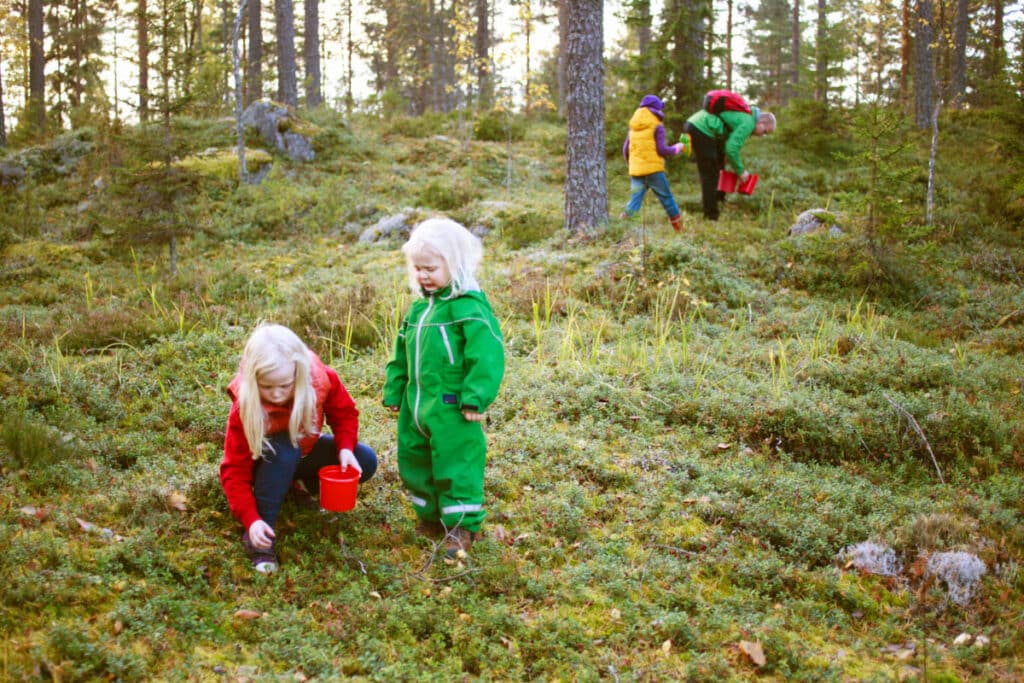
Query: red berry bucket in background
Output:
(727,181)
(338,488)
(748,185)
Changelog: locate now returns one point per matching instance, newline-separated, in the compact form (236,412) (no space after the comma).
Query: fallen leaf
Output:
(247,614)
(754,651)
(178,501)
(615,614)
(375,594)
(723,446)
(666,646)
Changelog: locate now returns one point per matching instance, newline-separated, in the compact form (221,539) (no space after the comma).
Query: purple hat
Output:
(652,102)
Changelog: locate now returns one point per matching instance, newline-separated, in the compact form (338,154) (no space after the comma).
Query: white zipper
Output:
(448,346)
(416,367)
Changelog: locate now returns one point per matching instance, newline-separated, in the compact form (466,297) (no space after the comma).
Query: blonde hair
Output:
(269,348)
(461,250)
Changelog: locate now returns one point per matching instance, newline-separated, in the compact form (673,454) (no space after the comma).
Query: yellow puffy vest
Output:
(643,152)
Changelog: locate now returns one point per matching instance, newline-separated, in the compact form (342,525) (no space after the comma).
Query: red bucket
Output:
(338,488)
(727,181)
(748,185)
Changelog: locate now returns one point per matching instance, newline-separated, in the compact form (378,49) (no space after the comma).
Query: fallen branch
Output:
(917,428)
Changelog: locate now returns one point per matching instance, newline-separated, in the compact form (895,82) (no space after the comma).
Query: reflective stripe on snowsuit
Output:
(449,356)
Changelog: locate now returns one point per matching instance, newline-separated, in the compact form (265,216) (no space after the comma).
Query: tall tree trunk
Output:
(434,40)
(527,31)
(998,57)
(482,56)
(821,55)
(586,182)
(350,48)
(904,96)
(311,53)
(3,121)
(36,68)
(924,65)
(563,41)
(254,65)
(75,87)
(284,26)
(142,22)
(728,44)
(794,82)
(958,73)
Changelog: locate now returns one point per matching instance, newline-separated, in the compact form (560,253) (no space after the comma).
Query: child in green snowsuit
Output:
(448,364)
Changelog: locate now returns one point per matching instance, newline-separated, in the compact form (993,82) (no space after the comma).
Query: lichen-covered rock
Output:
(816,220)
(275,124)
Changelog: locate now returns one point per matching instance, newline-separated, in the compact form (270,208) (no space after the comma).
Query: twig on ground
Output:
(920,432)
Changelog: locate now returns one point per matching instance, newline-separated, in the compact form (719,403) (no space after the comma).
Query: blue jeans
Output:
(276,471)
(656,183)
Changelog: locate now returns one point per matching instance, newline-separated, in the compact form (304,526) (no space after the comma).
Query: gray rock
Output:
(273,122)
(815,220)
(11,173)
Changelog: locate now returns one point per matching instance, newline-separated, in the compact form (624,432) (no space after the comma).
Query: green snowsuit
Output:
(449,357)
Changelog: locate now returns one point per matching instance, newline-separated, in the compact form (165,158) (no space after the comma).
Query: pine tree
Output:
(586,183)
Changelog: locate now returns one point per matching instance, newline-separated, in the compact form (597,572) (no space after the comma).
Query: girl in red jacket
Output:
(280,398)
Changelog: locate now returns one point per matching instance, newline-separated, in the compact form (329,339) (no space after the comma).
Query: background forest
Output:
(730,453)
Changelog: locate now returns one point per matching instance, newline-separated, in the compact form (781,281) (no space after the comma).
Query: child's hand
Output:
(346,459)
(473,416)
(261,535)
(394,409)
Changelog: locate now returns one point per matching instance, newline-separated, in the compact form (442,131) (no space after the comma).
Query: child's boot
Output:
(458,539)
(429,528)
(677,222)
(263,561)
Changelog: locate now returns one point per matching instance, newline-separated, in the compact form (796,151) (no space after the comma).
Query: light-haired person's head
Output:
(765,123)
(275,368)
(451,245)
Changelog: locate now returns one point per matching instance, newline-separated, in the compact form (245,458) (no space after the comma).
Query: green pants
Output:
(443,468)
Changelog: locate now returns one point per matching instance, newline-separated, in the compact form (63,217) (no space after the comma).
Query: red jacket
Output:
(333,402)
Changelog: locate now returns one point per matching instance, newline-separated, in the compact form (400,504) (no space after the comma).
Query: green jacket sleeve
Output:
(396,373)
(742,126)
(484,355)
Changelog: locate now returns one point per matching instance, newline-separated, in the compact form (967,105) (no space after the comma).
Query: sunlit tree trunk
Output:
(482,56)
(254,65)
(36,68)
(924,64)
(586,182)
(284,26)
(311,53)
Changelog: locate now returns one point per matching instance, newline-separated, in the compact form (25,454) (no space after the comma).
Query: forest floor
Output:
(717,455)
